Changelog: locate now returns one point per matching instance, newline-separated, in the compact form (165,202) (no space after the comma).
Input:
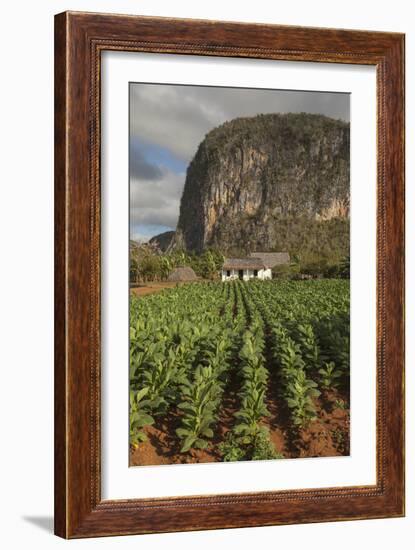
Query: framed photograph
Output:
(229,275)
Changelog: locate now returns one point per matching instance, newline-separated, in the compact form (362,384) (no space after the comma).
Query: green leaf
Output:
(140,394)
(134,416)
(186,406)
(145,420)
(188,443)
(240,428)
(182,432)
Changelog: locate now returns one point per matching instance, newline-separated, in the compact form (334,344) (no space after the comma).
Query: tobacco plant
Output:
(300,392)
(139,418)
(201,396)
(274,340)
(329,375)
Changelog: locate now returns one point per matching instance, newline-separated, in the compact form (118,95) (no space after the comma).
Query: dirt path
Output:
(151,288)
(143,289)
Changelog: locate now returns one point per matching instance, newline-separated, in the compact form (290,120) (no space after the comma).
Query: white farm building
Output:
(258,266)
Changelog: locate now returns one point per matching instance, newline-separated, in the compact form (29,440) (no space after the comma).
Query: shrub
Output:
(286,271)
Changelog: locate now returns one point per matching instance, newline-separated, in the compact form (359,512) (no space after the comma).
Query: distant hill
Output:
(163,240)
(270,182)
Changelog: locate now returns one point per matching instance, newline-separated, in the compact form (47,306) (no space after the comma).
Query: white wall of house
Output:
(232,274)
(265,274)
(229,274)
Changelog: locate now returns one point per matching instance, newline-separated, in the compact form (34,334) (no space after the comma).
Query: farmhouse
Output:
(258,266)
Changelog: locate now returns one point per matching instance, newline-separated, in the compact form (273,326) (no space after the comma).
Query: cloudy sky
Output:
(167,123)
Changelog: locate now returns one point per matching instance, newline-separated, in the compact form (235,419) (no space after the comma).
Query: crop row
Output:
(188,344)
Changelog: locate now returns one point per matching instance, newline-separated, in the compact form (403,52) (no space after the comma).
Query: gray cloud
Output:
(178,117)
(156,202)
(139,167)
(166,116)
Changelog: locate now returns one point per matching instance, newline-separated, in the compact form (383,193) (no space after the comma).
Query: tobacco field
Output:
(240,371)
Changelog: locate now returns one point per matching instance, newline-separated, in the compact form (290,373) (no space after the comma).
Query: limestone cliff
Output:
(254,180)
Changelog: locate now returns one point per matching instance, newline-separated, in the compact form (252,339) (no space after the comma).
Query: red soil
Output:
(142,289)
(327,436)
(151,288)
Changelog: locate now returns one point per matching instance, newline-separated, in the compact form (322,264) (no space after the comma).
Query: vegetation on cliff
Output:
(270,182)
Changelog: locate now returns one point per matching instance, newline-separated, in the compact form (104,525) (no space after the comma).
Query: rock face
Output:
(252,176)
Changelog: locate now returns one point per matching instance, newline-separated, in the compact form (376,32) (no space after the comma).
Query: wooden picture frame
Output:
(79,40)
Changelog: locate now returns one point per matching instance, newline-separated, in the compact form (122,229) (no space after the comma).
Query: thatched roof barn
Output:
(182,274)
(243,263)
(272,259)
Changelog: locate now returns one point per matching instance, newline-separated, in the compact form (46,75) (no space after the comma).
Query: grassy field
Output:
(239,371)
